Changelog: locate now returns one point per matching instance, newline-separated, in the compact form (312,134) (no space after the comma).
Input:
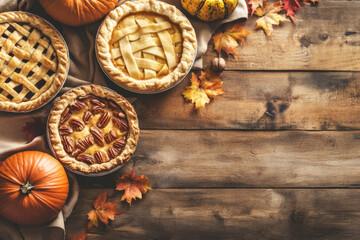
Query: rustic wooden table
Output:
(276,157)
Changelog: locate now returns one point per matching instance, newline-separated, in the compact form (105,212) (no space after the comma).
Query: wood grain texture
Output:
(227,214)
(326,37)
(262,100)
(223,159)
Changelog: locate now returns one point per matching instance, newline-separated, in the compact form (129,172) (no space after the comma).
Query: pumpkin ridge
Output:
(226,8)
(29,206)
(201,5)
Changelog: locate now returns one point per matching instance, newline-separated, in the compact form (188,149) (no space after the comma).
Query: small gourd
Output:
(209,10)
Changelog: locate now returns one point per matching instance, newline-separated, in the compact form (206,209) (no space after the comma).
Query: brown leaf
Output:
(134,186)
(33,129)
(103,211)
(227,40)
(203,88)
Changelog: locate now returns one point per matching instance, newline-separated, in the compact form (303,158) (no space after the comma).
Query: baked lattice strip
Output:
(27,58)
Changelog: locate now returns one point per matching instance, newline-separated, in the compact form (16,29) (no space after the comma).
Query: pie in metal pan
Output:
(92,129)
(34,62)
(146,46)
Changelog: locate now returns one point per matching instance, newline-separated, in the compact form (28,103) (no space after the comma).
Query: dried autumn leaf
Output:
(254,4)
(33,129)
(291,6)
(134,186)
(208,85)
(81,236)
(103,211)
(211,83)
(269,17)
(228,39)
(195,93)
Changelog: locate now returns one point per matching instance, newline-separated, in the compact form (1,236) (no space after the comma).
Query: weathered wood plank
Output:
(218,159)
(227,214)
(326,37)
(262,100)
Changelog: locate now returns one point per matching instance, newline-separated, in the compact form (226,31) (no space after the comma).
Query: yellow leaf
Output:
(228,39)
(208,85)
(269,17)
(195,94)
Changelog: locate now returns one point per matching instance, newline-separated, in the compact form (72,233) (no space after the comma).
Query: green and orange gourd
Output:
(209,10)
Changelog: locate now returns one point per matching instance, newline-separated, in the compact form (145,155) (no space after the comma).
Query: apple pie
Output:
(146,46)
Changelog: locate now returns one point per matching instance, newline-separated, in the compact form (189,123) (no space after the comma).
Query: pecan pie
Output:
(33,62)
(146,46)
(92,129)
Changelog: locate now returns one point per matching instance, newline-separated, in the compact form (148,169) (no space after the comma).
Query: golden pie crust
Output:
(146,46)
(33,62)
(69,102)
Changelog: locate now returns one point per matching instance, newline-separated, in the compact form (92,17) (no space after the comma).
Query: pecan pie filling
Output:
(93,129)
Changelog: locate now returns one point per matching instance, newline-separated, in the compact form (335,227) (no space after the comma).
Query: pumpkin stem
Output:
(26,188)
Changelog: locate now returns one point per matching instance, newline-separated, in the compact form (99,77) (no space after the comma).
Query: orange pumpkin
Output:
(33,188)
(77,12)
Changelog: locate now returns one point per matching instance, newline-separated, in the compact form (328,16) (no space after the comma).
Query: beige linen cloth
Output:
(84,69)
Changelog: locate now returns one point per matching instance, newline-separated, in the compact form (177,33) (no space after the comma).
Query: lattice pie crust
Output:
(33,62)
(146,45)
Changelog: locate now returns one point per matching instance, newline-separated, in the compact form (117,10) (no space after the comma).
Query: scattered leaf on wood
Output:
(208,85)
(33,129)
(227,40)
(254,4)
(134,186)
(81,236)
(269,16)
(103,211)
(291,6)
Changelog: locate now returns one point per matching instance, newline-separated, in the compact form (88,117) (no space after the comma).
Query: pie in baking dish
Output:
(33,62)
(146,46)
(92,129)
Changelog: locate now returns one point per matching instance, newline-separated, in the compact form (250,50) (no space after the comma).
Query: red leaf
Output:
(291,6)
(33,129)
(134,186)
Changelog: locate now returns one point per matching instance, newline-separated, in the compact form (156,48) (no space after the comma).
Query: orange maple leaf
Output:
(254,4)
(81,236)
(269,16)
(134,186)
(291,6)
(227,40)
(208,85)
(33,129)
(103,211)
